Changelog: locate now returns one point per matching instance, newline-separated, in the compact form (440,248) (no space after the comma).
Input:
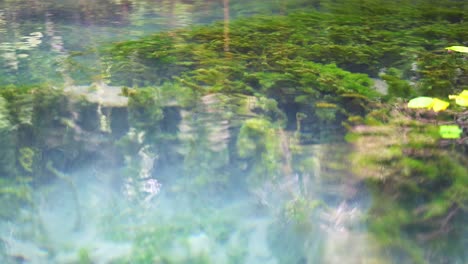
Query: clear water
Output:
(184,201)
(36,37)
(188,201)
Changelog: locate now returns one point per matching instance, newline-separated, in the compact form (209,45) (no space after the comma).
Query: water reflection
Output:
(35,36)
(187,183)
(108,174)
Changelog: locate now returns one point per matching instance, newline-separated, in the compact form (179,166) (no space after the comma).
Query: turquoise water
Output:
(188,199)
(36,37)
(181,181)
(173,202)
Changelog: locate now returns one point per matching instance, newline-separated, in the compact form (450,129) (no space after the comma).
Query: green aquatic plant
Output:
(397,85)
(7,141)
(83,256)
(300,210)
(326,111)
(34,111)
(26,159)
(258,141)
(14,194)
(316,63)
(303,58)
(418,186)
(145,110)
(356,41)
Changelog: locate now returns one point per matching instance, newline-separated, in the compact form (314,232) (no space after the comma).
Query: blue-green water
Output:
(36,37)
(173,217)
(186,200)
(177,206)
(204,180)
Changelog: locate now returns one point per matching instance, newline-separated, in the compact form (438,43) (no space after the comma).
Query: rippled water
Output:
(189,198)
(37,36)
(185,199)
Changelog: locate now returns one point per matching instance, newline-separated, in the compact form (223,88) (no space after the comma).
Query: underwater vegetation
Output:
(419,179)
(324,63)
(57,132)
(369,37)
(285,80)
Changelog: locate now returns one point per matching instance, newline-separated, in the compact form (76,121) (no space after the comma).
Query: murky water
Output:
(208,181)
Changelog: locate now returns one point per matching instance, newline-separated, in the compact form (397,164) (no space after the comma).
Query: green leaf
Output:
(450,131)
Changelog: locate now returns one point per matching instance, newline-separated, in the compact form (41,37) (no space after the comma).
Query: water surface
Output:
(211,179)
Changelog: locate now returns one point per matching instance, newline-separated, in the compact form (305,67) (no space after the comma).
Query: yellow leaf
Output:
(439,105)
(421,102)
(458,49)
(461,99)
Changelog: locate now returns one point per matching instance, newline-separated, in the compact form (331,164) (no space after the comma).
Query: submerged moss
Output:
(316,65)
(354,38)
(7,141)
(26,158)
(420,187)
(305,60)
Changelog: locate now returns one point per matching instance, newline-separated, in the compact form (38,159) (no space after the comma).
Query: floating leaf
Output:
(429,103)
(439,105)
(458,49)
(421,102)
(461,99)
(450,131)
